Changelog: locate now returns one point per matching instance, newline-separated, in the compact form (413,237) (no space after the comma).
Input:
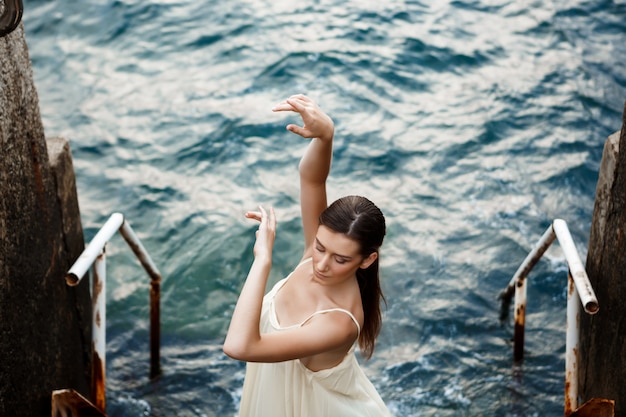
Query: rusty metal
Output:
(155,295)
(571,347)
(10,16)
(524,269)
(520,319)
(95,255)
(580,292)
(98,332)
(596,407)
(70,403)
(517,286)
(155,329)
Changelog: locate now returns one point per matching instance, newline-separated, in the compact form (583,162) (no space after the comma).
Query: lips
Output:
(319,275)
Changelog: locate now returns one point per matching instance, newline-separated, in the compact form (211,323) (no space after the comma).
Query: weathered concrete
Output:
(44,324)
(603,345)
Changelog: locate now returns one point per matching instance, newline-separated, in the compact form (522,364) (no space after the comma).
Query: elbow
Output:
(231,350)
(236,350)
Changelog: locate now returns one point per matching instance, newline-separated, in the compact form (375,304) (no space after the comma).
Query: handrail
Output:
(576,268)
(580,292)
(94,254)
(10,16)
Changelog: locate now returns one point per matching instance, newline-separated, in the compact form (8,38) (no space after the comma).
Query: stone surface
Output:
(44,324)
(602,342)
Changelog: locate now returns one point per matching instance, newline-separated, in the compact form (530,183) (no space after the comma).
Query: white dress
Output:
(290,389)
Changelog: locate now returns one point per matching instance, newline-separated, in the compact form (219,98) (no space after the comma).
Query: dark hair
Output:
(360,220)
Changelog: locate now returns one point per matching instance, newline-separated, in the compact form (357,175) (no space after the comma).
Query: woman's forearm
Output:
(320,128)
(244,326)
(315,163)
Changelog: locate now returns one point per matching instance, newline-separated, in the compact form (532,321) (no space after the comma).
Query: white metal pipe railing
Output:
(572,337)
(93,250)
(577,270)
(531,259)
(580,292)
(95,255)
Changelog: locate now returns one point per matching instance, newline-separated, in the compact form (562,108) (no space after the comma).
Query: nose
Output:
(322,264)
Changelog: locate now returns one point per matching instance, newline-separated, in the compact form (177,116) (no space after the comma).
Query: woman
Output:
(299,339)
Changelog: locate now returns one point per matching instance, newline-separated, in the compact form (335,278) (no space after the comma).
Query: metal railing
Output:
(95,255)
(580,292)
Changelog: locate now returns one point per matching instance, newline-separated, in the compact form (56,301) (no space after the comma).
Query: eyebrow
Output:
(344,257)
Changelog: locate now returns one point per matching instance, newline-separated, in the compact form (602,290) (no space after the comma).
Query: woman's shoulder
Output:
(304,260)
(298,268)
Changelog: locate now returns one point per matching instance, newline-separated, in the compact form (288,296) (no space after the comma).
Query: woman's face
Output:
(336,257)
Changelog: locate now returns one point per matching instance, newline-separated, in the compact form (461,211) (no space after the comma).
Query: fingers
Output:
(272,219)
(262,216)
(307,109)
(316,123)
(302,131)
(254,215)
(295,103)
(284,106)
(266,233)
(268,220)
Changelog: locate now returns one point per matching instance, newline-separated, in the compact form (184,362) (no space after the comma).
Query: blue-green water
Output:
(472,124)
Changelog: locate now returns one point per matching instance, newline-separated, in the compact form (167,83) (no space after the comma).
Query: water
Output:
(472,124)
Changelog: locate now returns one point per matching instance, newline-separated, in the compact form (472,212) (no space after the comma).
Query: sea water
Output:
(472,124)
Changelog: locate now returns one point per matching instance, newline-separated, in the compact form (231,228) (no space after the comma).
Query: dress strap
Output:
(330,310)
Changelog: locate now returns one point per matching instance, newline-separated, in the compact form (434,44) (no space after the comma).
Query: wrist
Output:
(330,132)
(263,260)
(327,137)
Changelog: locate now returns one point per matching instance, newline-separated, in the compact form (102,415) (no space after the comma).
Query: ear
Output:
(369,260)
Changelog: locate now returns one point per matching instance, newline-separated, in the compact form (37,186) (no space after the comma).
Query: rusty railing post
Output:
(580,292)
(98,332)
(519,316)
(155,296)
(94,254)
(517,287)
(572,336)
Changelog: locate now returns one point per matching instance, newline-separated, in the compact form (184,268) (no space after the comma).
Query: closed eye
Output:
(340,259)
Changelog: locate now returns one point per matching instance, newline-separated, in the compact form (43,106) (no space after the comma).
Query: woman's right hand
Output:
(266,234)
(317,124)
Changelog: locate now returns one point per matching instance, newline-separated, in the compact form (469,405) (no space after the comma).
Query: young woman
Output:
(299,339)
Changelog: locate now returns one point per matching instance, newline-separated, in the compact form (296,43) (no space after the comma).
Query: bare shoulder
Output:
(338,322)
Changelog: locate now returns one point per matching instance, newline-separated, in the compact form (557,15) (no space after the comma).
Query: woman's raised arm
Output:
(315,164)
(244,325)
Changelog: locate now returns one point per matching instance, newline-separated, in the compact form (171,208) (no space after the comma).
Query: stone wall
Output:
(603,345)
(44,324)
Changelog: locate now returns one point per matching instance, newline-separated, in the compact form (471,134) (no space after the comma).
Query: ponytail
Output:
(359,219)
